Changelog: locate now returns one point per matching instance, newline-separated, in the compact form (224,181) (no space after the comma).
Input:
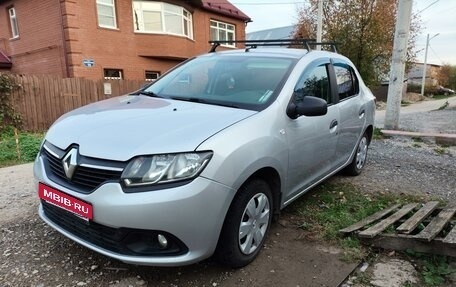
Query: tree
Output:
(447,76)
(363,31)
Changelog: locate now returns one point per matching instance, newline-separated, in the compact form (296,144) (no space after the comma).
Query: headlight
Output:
(148,170)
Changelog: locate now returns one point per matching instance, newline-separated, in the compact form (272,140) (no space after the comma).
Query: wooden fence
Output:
(42,99)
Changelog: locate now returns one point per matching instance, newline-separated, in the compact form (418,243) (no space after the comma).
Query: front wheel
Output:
(359,160)
(246,225)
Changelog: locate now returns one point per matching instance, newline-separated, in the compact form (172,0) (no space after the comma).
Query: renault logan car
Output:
(199,162)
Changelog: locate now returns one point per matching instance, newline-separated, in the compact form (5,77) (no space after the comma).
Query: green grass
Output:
(440,150)
(405,103)
(29,144)
(378,134)
(434,269)
(417,139)
(331,207)
(442,96)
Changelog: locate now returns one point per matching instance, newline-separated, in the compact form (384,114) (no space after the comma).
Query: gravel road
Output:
(409,166)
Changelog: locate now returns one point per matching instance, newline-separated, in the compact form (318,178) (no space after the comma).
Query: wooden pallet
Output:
(420,227)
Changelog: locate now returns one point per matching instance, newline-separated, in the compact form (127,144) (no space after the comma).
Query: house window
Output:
(106,13)
(152,76)
(222,32)
(113,74)
(13,22)
(158,17)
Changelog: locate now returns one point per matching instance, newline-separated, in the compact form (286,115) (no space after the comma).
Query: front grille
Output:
(84,180)
(125,241)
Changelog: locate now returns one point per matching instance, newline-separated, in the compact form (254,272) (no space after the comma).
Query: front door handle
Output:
(333,126)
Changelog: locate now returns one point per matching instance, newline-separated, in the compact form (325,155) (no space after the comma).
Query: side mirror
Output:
(310,107)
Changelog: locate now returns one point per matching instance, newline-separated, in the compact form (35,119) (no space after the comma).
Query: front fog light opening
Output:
(162,241)
(154,243)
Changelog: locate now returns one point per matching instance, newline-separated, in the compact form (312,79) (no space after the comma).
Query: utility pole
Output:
(396,81)
(319,23)
(423,81)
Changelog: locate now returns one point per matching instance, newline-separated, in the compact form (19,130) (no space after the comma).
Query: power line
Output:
(427,6)
(435,54)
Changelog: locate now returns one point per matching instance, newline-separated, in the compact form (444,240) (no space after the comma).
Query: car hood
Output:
(123,127)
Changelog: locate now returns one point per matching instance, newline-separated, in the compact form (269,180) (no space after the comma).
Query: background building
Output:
(111,39)
(415,74)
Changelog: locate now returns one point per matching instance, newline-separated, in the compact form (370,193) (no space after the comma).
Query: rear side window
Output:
(314,82)
(347,82)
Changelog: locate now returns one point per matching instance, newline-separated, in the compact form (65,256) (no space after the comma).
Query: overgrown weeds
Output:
(434,269)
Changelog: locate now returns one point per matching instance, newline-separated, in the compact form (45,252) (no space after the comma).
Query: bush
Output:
(416,88)
(8,114)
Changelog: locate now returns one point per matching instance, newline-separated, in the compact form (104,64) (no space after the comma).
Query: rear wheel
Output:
(360,158)
(246,225)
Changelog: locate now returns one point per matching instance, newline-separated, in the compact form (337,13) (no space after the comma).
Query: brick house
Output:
(128,39)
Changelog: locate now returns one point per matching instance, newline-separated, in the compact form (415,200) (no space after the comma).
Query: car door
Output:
(312,140)
(351,109)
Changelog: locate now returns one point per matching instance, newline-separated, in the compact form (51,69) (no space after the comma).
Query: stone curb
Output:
(447,139)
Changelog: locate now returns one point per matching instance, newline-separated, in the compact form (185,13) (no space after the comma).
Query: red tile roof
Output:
(5,62)
(226,8)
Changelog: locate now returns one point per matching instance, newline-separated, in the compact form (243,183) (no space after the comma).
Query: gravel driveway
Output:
(33,254)
(405,165)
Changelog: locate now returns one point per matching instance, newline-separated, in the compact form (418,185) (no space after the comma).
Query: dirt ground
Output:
(33,254)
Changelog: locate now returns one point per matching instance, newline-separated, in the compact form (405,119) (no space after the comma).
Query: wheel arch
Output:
(370,133)
(271,176)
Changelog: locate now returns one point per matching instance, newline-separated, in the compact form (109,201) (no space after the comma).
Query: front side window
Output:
(347,83)
(113,74)
(242,81)
(314,82)
(106,13)
(13,22)
(222,32)
(158,17)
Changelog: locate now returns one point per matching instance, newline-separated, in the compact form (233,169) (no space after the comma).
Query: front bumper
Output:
(194,213)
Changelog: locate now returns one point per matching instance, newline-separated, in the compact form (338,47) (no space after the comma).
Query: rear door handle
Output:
(361,114)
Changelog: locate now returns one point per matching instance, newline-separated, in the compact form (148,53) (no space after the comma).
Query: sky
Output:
(437,16)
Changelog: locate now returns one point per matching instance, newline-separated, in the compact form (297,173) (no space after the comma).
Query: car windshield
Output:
(241,81)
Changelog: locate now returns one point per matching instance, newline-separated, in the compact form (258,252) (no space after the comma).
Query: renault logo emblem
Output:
(70,162)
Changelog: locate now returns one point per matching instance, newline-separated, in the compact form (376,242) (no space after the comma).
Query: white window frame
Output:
(139,7)
(113,78)
(111,5)
(156,73)
(13,22)
(218,27)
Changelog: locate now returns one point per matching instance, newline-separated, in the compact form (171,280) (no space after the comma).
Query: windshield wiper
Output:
(190,99)
(203,101)
(147,93)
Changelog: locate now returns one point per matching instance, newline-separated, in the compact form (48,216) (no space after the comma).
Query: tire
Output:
(252,209)
(360,157)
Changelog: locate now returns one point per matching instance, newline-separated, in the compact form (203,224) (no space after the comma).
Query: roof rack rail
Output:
(249,44)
